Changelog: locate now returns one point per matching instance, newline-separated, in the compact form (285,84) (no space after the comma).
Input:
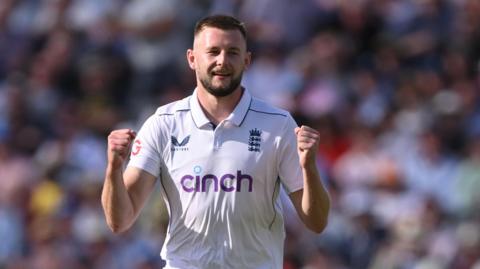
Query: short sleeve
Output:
(289,169)
(145,152)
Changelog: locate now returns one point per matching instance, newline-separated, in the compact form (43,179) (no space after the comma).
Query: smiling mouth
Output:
(221,74)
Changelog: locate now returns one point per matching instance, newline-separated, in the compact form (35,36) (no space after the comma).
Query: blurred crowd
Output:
(393,86)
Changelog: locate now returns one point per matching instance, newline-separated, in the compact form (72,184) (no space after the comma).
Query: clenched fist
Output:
(307,145)
(119,143)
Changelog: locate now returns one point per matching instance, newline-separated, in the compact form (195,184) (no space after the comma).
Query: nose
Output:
(222,58)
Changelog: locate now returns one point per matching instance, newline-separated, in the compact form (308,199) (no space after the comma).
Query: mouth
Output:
(221,74)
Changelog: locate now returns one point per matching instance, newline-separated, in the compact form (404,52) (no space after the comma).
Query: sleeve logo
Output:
(137,146)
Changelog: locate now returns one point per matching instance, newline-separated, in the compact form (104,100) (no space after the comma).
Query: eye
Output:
(233,52)
(212,52)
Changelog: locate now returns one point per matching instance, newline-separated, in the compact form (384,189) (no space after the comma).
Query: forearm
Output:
(116,202)
(315,201)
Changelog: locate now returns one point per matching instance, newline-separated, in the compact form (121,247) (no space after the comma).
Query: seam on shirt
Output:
(269,113)
(171,114)
(169,206)
(275,190)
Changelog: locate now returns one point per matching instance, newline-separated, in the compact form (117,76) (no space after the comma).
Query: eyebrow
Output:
(228,49)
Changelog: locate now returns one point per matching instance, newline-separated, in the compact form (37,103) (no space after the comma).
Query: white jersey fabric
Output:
(221,185)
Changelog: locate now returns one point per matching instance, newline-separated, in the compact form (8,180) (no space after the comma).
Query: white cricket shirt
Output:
(221,185)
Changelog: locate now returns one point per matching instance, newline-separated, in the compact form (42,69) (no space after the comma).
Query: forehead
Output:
(215,37)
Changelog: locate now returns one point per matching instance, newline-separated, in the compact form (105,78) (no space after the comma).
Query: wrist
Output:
(309,165)
(114,168)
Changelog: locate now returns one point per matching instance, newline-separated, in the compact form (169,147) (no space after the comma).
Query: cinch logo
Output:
(179,146)
(227,182)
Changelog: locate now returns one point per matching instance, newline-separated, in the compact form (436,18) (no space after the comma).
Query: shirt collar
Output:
(236,117)
(240,112)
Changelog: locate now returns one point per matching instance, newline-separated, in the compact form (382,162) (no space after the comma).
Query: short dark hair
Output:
(224,22)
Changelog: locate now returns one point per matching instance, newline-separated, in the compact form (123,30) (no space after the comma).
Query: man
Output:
(220,156)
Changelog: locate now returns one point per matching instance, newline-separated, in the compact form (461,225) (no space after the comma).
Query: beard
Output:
(221,91)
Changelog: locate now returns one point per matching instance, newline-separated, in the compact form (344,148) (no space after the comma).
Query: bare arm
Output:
(312,203)
(124,193)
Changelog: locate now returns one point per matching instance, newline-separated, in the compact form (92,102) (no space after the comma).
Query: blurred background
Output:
(393,86)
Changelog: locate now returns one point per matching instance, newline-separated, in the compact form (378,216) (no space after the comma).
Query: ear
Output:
(191,59)
(248,59)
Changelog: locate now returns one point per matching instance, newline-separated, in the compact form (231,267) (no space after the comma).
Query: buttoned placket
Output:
(217,136)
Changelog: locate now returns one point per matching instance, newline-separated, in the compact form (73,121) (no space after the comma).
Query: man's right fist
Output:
(119,143)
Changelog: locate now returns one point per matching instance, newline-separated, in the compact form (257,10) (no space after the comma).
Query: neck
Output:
(218,108)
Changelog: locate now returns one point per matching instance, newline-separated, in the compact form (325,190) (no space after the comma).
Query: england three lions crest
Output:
(255,140)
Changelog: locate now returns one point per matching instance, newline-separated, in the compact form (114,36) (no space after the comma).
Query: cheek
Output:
(204,63)
(240,63)
(202,70)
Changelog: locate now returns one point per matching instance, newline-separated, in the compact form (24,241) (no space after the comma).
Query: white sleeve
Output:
(288,163)
(146,153)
